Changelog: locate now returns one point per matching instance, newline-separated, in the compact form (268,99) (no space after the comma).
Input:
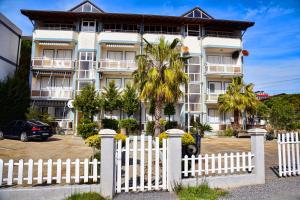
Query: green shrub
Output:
(87,128)
(120,136)
(130,124)
(187,139)
(110,124)
(93,141)
(162,136)
(171,124)
(228,132)
(86,196)
(202,191)
(150,128)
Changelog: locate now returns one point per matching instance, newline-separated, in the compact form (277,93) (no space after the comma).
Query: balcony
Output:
(119,37)
(154,37)
(213,97)
(221,39)
(52,93)
(55,35)
(223,69)
(52,64)
(107,65)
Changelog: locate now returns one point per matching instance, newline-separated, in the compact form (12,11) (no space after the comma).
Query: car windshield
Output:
(35,122)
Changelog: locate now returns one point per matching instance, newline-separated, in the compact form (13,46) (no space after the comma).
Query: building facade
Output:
(10,40)
(86,45)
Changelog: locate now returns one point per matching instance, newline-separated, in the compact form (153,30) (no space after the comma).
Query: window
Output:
(165,29)
(213,116)
(212,88)
(45,82)
(61,82)
(64,54)
(118,82)
(87,7)
(214,59)
(115,55)
(48,53)
(129,55)
(215,87)
(89,26)
(128,81)
(193,30)
(82,84)
(59,112)
(87,60)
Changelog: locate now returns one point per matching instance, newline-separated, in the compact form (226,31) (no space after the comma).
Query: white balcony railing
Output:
(56,63)
(52,93)
(213,97)
(212,68)
(117,65)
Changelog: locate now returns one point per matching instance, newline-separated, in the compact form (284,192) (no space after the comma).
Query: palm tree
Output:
(159,75)
(238,98)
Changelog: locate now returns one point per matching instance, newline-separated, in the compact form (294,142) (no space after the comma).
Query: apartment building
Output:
(87,45)
(10,40)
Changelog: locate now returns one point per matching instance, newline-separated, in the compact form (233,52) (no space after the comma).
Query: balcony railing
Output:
(213,97)
(56,63)
(193,107)
(212,68)
(52,93)
(117,65)
(86,74)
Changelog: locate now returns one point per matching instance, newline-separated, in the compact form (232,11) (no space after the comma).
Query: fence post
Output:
(107,165)
(258,149)
(174,151)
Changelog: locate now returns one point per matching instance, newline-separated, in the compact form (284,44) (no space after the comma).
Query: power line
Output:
(278,82)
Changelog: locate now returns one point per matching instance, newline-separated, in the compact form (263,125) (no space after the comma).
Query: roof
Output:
(197,8)
(6,22)
(134,18)
(84,2)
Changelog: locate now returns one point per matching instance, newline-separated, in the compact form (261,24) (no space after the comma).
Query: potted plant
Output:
(198,131)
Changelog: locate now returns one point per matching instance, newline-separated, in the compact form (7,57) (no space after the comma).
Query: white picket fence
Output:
(49,172)
(217,164)
(139,165)
(288,154)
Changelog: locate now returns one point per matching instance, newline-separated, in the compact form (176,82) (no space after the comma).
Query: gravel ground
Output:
(146,196)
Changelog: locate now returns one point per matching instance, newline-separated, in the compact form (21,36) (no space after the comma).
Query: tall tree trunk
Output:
(236,119)
(157,116)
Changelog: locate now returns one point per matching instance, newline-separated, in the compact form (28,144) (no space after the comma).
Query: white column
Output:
(174,151)
(107,165)
(258,149)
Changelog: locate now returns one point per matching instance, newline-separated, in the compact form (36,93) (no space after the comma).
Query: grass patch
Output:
(86,196)
(199,192)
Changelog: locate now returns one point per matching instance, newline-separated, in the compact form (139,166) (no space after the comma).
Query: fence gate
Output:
(141,164)
(288,154)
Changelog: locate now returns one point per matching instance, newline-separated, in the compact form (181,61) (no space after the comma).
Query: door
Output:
(215,87)
(64,54)
(114,55)
(48,53)
(130,55)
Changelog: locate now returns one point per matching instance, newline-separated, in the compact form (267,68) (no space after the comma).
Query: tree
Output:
(200,128)
(111,98)
(169,110)
(88,102)
(262,110)
(130,101)
(238,98)
(34,114)
(282,115)
(159,75)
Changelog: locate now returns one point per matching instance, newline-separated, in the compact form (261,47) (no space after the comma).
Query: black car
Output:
(25,130)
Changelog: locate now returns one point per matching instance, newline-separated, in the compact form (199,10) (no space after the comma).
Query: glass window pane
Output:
(118,82)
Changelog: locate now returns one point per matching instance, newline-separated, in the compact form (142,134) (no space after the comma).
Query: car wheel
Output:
(24,137)
(1,135)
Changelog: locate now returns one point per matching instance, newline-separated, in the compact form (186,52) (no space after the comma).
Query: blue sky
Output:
(273,43)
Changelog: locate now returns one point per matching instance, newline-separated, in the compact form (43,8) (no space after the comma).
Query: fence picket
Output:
(244,161)
(156,163)
(77,170)
(149,163)
(10,172)
(231,163)
(86,170)
(283,154)
(68,171)
(29,172)
(164,165)
(186,165)
(297,153)
(95,168)
(213,169)
(58,171)
(193,165)
(134,173)
(127,154)
(225,163)
(142,165)
(249,161)
(40,171)
(219,163)
(49,171)
(293,153)
(288,138)
(237,161)
(279,155)
(206,164)
(1,171)
(119,165)
(20,172)
(199,165)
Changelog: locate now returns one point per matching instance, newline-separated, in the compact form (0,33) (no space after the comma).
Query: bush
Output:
(171,124)
(202,191)
(120,136)
(162,136)
(228,132)
(87,128)
(150,128)
(188,139)
(86,196)
(93,141)
(130,124)
(110,124)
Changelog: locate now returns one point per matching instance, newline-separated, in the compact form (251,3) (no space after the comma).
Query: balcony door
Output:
(115,55)
(129,55)
(214,87)
(64,54)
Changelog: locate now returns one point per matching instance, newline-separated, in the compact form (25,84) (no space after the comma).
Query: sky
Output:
(273,43)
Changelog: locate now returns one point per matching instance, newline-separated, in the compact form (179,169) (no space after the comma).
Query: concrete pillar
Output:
(174,158)
(258,149)
(107,169)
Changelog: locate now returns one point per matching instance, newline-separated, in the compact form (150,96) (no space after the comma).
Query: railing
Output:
(288,154)
(217,164)
(212,68)
(143,168)
(65,124)
(49,172)
(86,74)
(214,96)
(56,63)
(107,64)
(223,34)
(53,93)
